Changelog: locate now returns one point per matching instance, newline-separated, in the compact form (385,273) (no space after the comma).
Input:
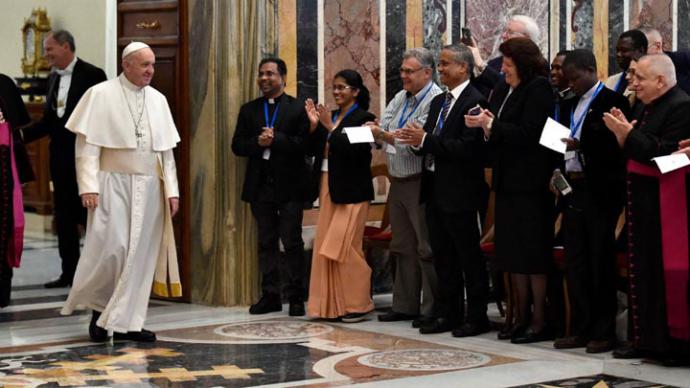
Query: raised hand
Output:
(312,114)
(325,117)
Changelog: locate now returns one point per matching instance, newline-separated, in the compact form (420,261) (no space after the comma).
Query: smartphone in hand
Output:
(466,37)
(475,111)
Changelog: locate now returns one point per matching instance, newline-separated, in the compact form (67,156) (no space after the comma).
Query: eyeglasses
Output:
(409,71)
(513,34)
(341,87)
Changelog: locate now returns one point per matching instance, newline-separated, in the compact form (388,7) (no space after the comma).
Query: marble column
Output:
(457,20)
(487,20)
(307,55)
(654,13)
(683,25)
(287,42)
(615,30)
(583,15)
(435,25)
(395,45)
(414,28)
(351,41)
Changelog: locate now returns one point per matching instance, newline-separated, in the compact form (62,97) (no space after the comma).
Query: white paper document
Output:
(359,134)
(671,162)
(552,134)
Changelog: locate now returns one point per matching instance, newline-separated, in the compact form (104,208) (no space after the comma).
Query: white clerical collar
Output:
(457,91)
(69,69)
(128,84)
(590,92)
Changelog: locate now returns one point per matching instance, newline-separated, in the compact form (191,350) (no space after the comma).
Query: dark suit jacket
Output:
(84,76)
(520,163)
(349,165)
(14,111)
(457,182)
(287,162)
(681,60)
(663,123)
(601,157)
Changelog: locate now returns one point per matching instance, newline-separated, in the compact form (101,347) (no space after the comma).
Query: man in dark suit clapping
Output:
(452,181)
(71,78)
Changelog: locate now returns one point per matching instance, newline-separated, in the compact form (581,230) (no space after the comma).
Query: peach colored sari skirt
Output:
(340,280)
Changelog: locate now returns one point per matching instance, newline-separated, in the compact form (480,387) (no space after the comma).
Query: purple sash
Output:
(16,241)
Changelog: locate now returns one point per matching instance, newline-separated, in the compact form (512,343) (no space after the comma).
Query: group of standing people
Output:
(437,145)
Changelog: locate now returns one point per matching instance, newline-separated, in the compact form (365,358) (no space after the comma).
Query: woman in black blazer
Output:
(518,109)
(339,286)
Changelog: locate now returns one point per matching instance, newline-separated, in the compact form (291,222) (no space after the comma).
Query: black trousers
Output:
(68,210)
(590,258)
(5,282)
(280,221)
(459,264)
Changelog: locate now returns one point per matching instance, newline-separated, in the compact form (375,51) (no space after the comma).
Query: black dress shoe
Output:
(508,332)
(469,329)
(138,336)
(296,309)
(530,336)
(58,283)
(438,325)
(627,352)
(267,304)
(393,316)
(97,333)
(422,321)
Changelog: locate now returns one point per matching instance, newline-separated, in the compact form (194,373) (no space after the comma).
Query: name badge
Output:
(570,155)
(390,149)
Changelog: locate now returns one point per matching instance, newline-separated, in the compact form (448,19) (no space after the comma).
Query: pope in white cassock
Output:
(128,181)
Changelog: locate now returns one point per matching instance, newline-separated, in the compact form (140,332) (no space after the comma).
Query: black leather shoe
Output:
(530,336)
(627,352)
(438,325)
(393,316)
(267,304)
(422,321)
(58,283)
(469,329)
(572,342)
(296,309)
(508,332)
(97,333)
(138,336)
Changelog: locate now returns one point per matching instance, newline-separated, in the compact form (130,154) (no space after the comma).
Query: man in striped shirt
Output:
(415,273)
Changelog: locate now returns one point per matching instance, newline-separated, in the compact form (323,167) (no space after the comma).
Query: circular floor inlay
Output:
(424,359)
(274,330)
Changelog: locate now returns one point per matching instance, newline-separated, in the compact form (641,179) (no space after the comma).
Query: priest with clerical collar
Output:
(128,182)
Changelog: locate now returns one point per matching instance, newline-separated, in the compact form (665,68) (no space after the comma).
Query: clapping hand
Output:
(312,114)
(266,137)
(617,123)
(412,134)
(483,120)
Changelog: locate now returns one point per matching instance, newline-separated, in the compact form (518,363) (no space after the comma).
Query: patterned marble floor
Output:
(201,346)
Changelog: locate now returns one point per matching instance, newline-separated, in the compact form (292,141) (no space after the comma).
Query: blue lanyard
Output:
(557,111)
(620,81)
(403,118)
(334,118)
(271,123)
(575,124)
